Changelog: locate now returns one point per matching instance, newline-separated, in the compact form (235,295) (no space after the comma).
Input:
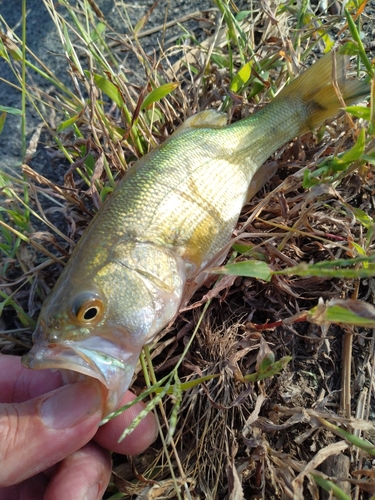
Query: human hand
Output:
(50,444)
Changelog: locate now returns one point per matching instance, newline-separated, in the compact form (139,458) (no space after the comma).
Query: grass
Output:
(258,355)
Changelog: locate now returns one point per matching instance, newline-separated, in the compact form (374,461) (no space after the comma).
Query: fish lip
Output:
(81,357)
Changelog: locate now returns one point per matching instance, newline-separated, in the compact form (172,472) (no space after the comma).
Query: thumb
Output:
(39,433)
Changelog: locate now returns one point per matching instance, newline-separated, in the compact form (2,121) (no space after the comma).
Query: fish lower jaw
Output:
(76,360)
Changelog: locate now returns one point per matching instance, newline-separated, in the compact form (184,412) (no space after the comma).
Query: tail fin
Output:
(315,87)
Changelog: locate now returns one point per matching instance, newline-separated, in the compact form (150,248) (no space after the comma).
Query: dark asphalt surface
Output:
(44,41)
(40,36)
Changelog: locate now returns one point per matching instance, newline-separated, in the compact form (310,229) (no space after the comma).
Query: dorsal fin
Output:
(209,118)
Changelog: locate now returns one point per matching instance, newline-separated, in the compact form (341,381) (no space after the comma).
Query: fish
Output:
(173,211)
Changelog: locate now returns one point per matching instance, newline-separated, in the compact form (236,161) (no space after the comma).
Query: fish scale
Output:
(172,213)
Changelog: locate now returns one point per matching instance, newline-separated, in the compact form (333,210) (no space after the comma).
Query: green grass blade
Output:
(361,48)
(11,111)
(330,487)
(343,311)
(249,268)
(355,440)
(159,93)
(268,370)
(2,121)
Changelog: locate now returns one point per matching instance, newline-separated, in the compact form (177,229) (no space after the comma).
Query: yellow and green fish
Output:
(169,216)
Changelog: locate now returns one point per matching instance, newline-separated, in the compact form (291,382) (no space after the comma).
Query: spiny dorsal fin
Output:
(209,118)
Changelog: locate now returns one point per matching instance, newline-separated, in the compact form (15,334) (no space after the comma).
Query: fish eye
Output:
(87,309)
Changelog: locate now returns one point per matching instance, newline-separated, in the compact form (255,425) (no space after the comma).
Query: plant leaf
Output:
(242,77)
(353,154)
(108,88)
(67,123)
(340,311)
(359,112)
(249,268)
(334,269)
(351,438)
(2,121)
(11,111)
(159,93)
(330,487)
(99,30)
(187,385)
(269,371)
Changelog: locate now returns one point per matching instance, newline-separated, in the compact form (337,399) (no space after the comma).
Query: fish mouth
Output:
(94,357)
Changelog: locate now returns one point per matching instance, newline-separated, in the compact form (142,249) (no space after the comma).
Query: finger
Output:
(31,489)
(39,433)
(141,438)
(20,384)
(84,475)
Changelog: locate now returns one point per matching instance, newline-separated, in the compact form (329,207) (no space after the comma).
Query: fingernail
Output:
(92,492)
(71,404)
